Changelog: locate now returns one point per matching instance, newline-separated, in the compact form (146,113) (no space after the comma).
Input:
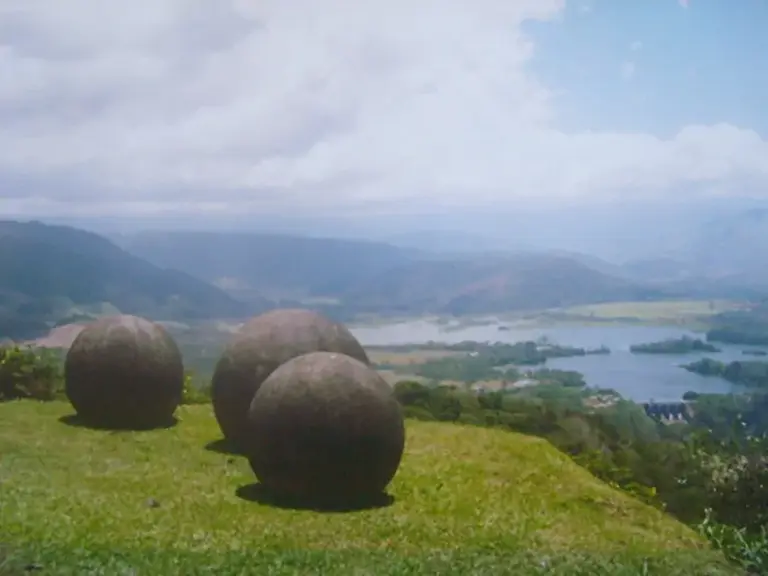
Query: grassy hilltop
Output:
(466,501)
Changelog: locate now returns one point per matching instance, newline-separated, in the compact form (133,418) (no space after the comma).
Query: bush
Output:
(418,413)
(750,551)
(27,372)
(737,483)
(195,392)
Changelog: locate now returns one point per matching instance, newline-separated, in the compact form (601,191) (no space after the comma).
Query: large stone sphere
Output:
(263,344)
(124,372)
(326,428)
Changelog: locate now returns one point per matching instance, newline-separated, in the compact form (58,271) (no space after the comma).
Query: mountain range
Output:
(55,274)
(376,277)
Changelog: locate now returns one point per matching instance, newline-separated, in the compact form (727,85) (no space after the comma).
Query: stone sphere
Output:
(326,428)
(124,372)
(263,344)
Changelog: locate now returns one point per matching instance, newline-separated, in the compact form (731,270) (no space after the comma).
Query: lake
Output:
(638,377)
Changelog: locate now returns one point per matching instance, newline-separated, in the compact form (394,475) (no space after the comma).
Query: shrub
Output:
(195,392)
(749,551)
(418,413)
(27,372)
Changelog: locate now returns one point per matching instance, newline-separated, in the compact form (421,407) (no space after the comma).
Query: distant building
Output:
(524,383)
(668,411)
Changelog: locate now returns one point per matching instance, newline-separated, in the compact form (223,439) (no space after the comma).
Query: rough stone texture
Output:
(263,344)
(325,428)
(124,372)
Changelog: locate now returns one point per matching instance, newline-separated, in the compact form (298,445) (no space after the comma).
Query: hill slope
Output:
(278,266)
(491,284)
(466,501)
(731,248)
(50,272)
(380,278)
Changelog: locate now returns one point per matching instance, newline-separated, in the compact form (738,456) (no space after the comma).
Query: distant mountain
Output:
(733,248)
(376,277)
(492,284)
(724,258)
(455,242)
(659,269)
(54,273)
(275,265)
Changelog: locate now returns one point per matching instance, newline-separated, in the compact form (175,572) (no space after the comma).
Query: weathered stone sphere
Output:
(326,428)
(263,344)
(124,372)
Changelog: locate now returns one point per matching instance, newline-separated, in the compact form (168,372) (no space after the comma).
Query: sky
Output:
(204,110)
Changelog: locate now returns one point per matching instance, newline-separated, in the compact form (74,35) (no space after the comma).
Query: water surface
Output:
(639,377)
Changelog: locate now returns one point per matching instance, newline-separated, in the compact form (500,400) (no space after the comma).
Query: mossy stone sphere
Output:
(326,428)
(124,372)
(263,344)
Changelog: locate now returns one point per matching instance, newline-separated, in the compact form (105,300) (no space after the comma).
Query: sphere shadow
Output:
(77,421)
(223,446)
(258,493)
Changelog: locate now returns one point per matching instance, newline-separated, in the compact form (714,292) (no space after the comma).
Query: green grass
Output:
(672,310)
(467,501)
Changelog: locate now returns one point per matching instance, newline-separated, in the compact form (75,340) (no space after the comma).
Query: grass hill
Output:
(374,277)
(465,501)
(55,272)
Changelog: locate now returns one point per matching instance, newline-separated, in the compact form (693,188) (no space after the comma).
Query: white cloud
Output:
(627,70)
(230,106)
(636,46)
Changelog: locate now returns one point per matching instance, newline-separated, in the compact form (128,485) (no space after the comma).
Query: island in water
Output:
(754,352)
(683,345)
(752,373)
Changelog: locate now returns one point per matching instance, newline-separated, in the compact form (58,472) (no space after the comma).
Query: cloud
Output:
(309,107)
(627,70)
(683,3)
(636,46)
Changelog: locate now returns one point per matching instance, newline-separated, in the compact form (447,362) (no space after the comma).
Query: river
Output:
(639,377)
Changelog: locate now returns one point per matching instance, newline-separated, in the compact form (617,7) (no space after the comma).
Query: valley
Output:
(401,347)
(196,278)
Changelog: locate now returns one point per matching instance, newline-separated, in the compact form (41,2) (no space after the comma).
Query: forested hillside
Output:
(54,273)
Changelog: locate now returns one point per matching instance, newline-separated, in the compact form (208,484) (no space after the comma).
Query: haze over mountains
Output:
(55,273)
(377,277)
(675,241)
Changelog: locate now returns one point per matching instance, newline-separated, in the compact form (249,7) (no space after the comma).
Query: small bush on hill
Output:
(746,549)
(195,392)
(27,372)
